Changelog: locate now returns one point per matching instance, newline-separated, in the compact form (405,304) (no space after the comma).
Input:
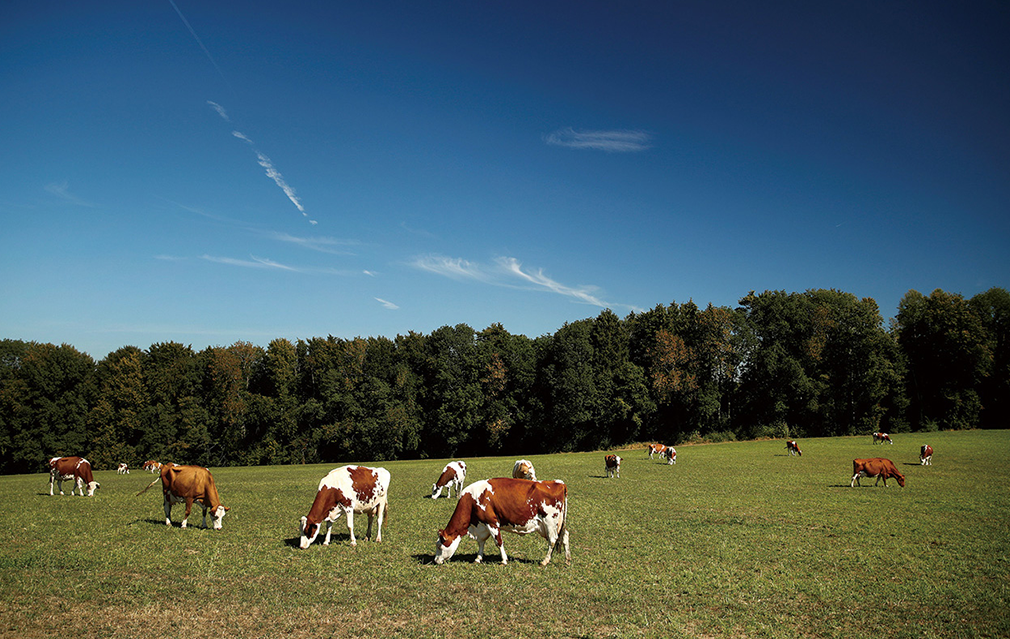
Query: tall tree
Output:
(993,309)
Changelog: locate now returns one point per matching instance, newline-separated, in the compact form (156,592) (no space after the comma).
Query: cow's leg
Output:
(189,509)
(496,531)
(480,533)
(168,511)
(855,481)
(350,526)
(203,525)
(380,515)
(371,516)
(52,479)
(329,531)
(79,484)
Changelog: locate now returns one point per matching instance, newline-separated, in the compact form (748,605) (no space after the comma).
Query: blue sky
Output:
(213,172)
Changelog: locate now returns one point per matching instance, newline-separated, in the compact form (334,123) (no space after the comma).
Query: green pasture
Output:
(735,540)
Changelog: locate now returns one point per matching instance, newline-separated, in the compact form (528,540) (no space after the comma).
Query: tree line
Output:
(817,363)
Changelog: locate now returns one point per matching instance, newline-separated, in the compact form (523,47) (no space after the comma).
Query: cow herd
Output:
(519,504)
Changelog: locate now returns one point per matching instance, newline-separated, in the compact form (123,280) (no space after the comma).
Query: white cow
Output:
(347,490)
(452,476)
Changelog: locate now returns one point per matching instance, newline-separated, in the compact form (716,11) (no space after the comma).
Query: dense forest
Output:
(818,363)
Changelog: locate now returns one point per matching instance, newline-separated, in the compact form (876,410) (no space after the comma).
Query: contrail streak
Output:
(200,42)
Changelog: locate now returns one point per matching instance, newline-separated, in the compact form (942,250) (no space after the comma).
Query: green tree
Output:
(993,310)
(115,419)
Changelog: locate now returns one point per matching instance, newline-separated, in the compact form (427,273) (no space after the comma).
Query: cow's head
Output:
(92,487)
(901,479)
(436,492)
(217,516)
(309,533)
(445,547)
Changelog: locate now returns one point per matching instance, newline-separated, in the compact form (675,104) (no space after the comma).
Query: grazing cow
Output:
(876,467)
(188,484)
(612,465)
(452,477)
(671,455)
(519,506)
(347,490)
(882,437)
(656,449)
(124,469)
(926,455)
(75,469)
(523,469)
(793,447)
(152,466)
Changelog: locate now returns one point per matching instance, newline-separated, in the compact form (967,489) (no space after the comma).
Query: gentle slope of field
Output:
(735,540)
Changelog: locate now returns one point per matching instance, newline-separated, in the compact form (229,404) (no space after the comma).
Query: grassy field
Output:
(736,540)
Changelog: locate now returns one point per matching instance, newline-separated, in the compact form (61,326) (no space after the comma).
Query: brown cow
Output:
(519,506)
(523,469)
(655,449)
(76,469)
(926,455)
(453,476)
(793,447)
(876,467)
(612,465)
(188,484)
(347,490)
(882,437)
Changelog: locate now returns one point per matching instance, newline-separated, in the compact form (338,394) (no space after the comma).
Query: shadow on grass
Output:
(493,559)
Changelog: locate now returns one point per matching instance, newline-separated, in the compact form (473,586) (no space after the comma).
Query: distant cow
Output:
(656,449)
(882,437)
(523,469)
(926,455)
(670,454)
(612,465)
(452,476)
(75,469)
(877,467)
(188,484)
(347,490)
(793,447)
(151,466)
(124,469)
(520,506)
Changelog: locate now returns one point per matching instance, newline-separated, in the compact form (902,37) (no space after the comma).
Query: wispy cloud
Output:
(386,304)
(253,262)
(62,191)
(331,245)
(220,110)
(617,141)
(508,272)
(200,42)
(455,268)
(514,267)
(267,164)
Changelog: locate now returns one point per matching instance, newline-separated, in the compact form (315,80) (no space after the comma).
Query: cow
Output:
(151,466)
(75,469)
(671,455)
(926,455)
(520,506)
(882,437)
(655,449)
(612,465)
(347,490)
(793,448)
(188,484)
(124,469)
(876,467)
(452,476)
(523,469)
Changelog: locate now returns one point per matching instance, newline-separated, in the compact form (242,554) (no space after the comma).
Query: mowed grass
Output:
(735,540)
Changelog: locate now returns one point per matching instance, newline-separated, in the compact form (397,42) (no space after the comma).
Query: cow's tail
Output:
(156,480)
(563,529)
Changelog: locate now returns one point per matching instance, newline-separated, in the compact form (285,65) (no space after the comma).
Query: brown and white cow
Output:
(75,469)
(523,469)
(876,467)
(347,490)
(520,506)
(793,447)
(612,465)
(926,455)
(151,466)
(124,469)
(882,437)
(656,449)
(188,484)
(670,454)
(452,476)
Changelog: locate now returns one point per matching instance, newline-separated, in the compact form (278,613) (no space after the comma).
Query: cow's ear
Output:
(226,509)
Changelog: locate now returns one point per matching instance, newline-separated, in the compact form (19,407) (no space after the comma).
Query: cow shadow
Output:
(841,486)
(490,559)
(911,464)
